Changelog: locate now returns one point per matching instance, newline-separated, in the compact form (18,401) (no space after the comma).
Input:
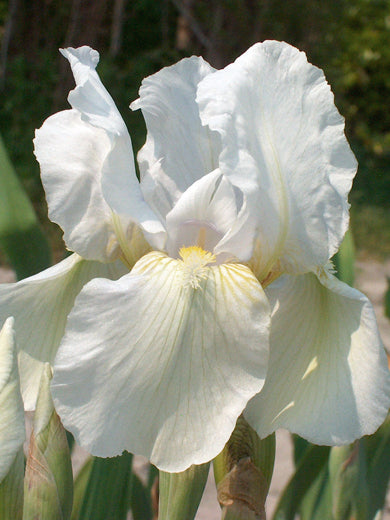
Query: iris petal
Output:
(179,150)
(328,379)
(163,367)
(283,145)
(41,305)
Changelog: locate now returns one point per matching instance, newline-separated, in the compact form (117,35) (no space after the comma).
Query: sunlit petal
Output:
(178,149)
(283,144)
(206,212)
(119,182)
(328,379)
(71,155)
(164,366)
(111,173)
(41,305)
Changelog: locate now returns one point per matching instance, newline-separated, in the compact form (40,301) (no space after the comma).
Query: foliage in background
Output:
(21,238)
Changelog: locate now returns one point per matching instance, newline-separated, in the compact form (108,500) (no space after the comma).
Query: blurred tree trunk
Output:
(9,26)
(221,30)
(165,24)
(190,27)
(116,27)
(84,27)
(85,23)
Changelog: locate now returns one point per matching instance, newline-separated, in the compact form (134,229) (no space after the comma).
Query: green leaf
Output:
(140,500)
(21,238)
(344,260)
(300,447)
(109,489)
(307,470)
(152,476)
(181,493)
(387,299)
(317,502)
(80,485)
(378,455)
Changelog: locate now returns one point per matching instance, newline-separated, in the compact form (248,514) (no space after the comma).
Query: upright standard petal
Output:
(87,167)
(178,149)
(40,305)
(207,215)
(283,144)
(12,432)
(328,379)
(71,154)
(164,366)
(118,178)
(90,98)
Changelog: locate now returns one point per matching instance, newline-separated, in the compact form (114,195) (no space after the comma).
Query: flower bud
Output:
(12,430)
(243,472)
(48,486)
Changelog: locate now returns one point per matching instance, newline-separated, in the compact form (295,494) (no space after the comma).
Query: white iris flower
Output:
(191,288)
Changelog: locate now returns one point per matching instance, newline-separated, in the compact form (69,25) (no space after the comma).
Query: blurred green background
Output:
(349,39)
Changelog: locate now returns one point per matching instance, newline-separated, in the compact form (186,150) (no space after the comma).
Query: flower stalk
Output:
(181,493)
(348,477)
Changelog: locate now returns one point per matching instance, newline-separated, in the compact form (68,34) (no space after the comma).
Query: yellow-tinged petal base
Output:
(194,265)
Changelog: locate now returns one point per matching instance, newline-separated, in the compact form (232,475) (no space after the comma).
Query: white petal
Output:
(205,213)
(162,369)
(283,144)
(12,432)
(71,154)
(178,149)
(90,97)
(88,167)
(119,181)
(40,305)
(328,379)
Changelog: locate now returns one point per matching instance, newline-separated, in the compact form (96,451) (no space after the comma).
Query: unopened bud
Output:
(12,430)
(48,487)
(242,492)
(243,472)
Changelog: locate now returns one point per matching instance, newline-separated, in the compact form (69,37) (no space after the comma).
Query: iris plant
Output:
(205,290)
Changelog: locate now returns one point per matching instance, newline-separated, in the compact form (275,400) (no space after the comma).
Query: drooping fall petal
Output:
(41,305)
(164,366)
(328,379)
